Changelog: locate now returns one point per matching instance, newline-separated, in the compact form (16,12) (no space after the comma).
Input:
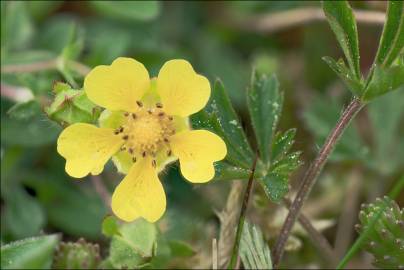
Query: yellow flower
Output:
(144,127)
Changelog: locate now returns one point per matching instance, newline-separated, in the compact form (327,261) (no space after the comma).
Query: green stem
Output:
(243,211)
(362,238)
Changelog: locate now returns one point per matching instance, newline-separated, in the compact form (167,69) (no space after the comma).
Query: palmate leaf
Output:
(275,163)
(254,251)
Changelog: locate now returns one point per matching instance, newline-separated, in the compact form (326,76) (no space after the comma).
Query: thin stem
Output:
(101,190)
(278,21)
(45,65)
(319,241)
(311,175)
(399,185)
(234,256)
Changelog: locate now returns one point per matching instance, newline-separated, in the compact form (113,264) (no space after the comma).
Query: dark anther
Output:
(159,105)
(116,132)
(125,137)
(166,140)
(161,114)
(144,154)
(120,129)
(170,118)
(133,115)
(126,114)
(123,148)
(149,111)
(130,150)
(154,164)
(134,159)
(169,153)
(139,103)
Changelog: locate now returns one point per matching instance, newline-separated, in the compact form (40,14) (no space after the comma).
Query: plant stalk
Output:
(236,246)
(311,175)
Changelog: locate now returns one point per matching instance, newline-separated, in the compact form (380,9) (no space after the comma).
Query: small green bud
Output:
(386,238)
(71,106)
(77,255)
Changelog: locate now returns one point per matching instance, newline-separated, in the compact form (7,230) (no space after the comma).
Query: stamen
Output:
(134,159)
(139,103)
(120,129)
(149,111)
(125,137)
(169,152)
(166,140)
(123,148)
(144,154)
(126,114)
(170,118)
(161,114)
(133,115)
(116,132)
(159,105)
(154,164)
(130,150)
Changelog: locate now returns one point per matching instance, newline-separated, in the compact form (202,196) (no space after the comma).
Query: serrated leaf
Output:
(275,186)
(226,171)
(282,144)
(392,40)
(342,21)
(30,253)
(384,80)
(254,251)
(353,84)
(135,246)
(110,226)
(265,105)
(223,114)
(25,110)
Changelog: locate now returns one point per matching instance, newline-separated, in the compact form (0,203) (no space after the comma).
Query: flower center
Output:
(146,132)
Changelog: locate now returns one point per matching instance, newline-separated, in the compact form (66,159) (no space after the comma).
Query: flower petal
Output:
(87,148)
(140,194)
(118,86)
(197,150)
(182,91)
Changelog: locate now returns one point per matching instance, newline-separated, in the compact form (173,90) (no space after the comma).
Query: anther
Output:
(166,140)
(139,103)
(116,132)
(130,150)
(134,159)
(170,118)
(126,114)
(125,137)
(144,154)
(154,164)
(161,114)
(159,105)
(123,148)
(169,153)
(120,129)
(133,115)
(149,111)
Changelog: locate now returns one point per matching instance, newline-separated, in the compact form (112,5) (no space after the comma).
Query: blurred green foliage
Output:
(38,197)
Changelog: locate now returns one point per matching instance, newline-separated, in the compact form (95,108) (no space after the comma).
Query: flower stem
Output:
(311,175)
(243,211)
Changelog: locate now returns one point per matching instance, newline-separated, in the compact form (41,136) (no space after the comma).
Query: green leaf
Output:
(392,40)
(123,10)
(30,253)
(33,132)
(135,246)
(233,134)
(180,249)
(342,21)
(265,105)
(110,226)
(254,251)
(282,144)
(384,80)
(25,110)
(23,215)
(226,171)
(353,84)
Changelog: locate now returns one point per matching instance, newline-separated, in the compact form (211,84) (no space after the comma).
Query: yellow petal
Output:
(182,91)
(140,194)
(118,86)
(197,150)
(87,148)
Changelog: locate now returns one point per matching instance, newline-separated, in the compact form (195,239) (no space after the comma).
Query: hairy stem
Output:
(311,175)
(234,256)
(319,241)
